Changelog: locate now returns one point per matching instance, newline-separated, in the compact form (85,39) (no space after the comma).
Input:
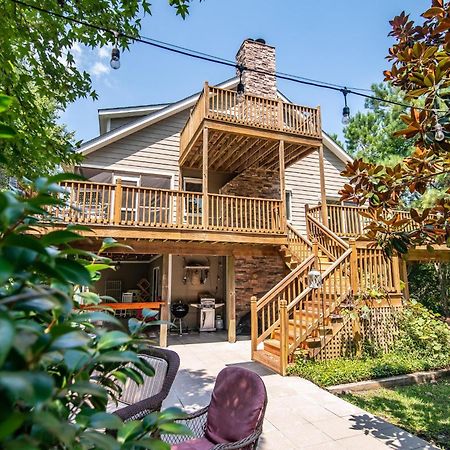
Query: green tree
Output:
(39,70)
(370,134)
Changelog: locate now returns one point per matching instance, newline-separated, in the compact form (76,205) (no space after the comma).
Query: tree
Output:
(369,135)
(39,70)
(421,71)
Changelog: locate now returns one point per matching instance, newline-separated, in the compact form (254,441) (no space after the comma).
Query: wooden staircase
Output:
(292,317)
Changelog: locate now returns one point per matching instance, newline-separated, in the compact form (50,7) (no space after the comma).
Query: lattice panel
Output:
(381,329)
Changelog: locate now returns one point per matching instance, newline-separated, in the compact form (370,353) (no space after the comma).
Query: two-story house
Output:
(212,194)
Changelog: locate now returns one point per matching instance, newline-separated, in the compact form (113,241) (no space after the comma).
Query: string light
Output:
(439,132)
(240,87)
(217,60)
(346,109)
(115,53)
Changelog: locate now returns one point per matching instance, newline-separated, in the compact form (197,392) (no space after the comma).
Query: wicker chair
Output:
(233,419)
(138,401)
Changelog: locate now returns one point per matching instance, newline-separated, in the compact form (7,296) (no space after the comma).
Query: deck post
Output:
(205,205)
(353,266)
(284,333)
(316,253)
(282,186)
(323,192)
(179,201)
(396,274)
(404,277)
(206,99)
(308,233)
(117,202)
(254,323)
(165,297)
(231,299)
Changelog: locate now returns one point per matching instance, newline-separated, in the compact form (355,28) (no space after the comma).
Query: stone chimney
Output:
(256,54)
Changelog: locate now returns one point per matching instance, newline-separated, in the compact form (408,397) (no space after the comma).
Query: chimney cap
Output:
(260,40)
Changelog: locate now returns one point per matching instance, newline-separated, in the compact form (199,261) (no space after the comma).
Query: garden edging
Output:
(399,380)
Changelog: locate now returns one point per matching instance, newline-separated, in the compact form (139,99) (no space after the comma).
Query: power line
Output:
(210,58)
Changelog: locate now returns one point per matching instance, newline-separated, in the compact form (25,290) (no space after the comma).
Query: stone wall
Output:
(255,275)
(260,183)
(260,56)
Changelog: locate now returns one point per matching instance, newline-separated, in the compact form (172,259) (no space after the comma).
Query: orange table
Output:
(126,305)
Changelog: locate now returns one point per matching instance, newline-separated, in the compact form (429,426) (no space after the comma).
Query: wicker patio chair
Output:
(233,419)
(137,401)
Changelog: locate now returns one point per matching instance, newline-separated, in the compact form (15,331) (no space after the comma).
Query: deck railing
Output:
(347,221)
(101,203)
(259,112)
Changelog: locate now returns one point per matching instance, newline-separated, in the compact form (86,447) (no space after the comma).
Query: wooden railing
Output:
(346,220)
(259,112)
(101,203)
(376,271)
(312,307)
(266,310)
(331,244)
(299,246)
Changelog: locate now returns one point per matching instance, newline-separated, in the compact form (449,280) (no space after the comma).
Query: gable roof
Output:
(154,113)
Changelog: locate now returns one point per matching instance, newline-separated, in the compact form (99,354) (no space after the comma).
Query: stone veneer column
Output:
(260,56)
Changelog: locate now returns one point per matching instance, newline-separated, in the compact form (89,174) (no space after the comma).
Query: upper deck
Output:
(244,131)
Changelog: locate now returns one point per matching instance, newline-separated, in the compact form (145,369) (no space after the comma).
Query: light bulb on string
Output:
(115,53)
(346,109)
(439,132)
(240,90)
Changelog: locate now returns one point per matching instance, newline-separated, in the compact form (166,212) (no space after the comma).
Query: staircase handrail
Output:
(325,275)
(330,234)
(278,288)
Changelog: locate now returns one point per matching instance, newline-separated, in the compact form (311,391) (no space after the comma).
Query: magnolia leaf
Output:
(7,333)
(113,339)
(105,420)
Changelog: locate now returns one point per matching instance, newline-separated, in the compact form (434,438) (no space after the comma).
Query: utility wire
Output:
(210,58)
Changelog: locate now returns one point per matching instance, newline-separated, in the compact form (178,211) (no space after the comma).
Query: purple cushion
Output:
(194,444)
(236,406)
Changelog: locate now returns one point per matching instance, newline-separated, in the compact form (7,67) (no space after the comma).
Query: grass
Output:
(420,409)
(338,371)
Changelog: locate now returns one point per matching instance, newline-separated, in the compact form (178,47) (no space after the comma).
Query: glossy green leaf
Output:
(7,333)
(113,339)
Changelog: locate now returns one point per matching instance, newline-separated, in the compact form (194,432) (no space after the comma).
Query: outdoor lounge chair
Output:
(137,401)
(234,417)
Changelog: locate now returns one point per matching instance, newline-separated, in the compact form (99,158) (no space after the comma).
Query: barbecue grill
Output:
(179,312)
(207,307)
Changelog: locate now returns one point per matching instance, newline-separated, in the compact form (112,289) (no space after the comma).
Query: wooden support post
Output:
(231,299)
(206,98)
(316,254)
(280,115)
(396,274)
(323,192)
(284,336)
(282,185)
(404,277)
(205,205)
(165,297)
(308,232)
(353,266)
(179,203)
(118,202)
(254,323)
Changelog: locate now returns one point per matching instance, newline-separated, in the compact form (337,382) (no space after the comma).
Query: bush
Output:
(58,370)
(423,343)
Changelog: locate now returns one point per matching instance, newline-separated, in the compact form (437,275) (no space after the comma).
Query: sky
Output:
(337,41)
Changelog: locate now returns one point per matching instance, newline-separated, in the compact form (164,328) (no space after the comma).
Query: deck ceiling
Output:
(234,152)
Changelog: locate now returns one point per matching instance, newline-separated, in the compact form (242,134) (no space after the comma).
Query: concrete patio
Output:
(299,414)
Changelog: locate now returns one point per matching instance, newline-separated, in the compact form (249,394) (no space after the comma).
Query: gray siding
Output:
(303,180)
(155,148)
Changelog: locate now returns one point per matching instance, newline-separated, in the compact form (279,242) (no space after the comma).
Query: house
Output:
(231,196)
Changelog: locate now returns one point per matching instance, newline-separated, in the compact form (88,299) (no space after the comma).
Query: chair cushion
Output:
(236,406)
(133,393)
(194,444)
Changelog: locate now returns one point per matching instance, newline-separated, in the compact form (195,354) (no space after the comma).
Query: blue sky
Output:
(339,41)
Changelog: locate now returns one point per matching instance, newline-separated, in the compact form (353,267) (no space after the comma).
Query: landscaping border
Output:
(399,380)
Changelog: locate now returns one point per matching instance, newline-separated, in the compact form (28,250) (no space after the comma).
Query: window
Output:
(193,202)
(288,205)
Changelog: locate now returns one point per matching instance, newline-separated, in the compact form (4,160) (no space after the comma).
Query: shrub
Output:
(57,368)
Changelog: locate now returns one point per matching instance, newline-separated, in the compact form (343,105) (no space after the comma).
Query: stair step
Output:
(336,317)
(267,359)
(272,346)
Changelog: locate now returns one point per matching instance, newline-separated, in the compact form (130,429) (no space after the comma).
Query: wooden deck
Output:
(244,131)
(162,215)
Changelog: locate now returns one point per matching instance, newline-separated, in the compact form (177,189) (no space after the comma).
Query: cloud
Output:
(104,52)
(99,69)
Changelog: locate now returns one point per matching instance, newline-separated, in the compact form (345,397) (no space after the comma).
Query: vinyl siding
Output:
(155,148)
(303,180)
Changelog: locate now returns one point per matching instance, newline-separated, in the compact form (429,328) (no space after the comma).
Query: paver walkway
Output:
(299,414)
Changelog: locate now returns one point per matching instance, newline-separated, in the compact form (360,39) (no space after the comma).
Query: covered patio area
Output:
(299,414)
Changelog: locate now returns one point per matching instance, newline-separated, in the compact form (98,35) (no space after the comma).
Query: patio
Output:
(299,415)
